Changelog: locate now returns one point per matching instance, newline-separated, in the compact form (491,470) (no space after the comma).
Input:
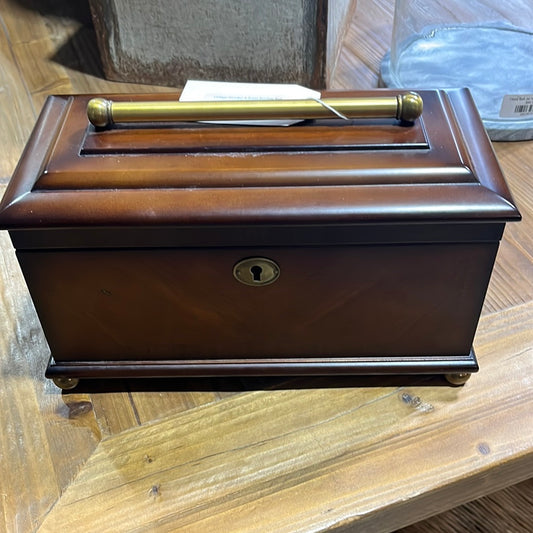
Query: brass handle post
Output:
(406,107)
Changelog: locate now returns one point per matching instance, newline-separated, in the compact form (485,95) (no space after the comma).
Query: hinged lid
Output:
(334,172)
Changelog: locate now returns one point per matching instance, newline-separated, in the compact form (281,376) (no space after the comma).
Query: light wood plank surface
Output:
(340,454)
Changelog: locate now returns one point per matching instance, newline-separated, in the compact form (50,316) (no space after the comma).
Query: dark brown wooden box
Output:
(385,236)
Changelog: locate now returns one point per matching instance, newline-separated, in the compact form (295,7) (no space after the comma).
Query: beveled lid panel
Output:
(357,152)
(440,169)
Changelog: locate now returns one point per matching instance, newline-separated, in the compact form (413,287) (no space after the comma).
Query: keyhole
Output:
(256,272)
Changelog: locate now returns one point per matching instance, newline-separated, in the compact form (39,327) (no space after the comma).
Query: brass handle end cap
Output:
(99,112)
(410,106)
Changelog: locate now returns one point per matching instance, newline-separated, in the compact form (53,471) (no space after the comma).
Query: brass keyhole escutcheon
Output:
(256,271)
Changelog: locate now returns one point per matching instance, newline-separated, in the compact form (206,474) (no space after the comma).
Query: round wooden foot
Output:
(459,378)
(65,383)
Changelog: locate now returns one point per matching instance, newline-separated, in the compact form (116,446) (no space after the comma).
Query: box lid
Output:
(329,172)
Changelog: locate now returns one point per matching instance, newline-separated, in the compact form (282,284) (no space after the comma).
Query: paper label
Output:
(203,91)
(517,106)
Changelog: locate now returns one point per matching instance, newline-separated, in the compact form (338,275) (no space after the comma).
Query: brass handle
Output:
(103,113)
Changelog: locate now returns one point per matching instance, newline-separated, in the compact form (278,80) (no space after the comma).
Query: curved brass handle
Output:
(103,113)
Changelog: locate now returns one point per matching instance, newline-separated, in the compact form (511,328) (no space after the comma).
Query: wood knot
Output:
(155,491)
(483,448)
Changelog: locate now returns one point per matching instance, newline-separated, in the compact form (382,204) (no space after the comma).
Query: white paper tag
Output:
(204,91)
(517,106)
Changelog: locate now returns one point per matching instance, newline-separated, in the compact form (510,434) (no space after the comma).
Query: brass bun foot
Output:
(459,378)
(65,383)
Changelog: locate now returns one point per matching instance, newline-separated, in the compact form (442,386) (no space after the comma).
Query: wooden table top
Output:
(300,454)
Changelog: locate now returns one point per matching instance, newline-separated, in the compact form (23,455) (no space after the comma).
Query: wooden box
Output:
(379,239)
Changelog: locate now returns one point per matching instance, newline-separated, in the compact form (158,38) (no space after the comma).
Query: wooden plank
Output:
(114,408)
(25,498)
(225,466)
(123,404)
(516,502)
(517,164)
(45,438)
(17,114)
(512,279)
(367,39)
(510,283)
(32,46)
(161,398)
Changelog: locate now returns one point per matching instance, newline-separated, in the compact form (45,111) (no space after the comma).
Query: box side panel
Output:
(341,301)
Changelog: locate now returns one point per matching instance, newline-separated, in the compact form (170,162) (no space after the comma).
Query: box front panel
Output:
(337,301)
